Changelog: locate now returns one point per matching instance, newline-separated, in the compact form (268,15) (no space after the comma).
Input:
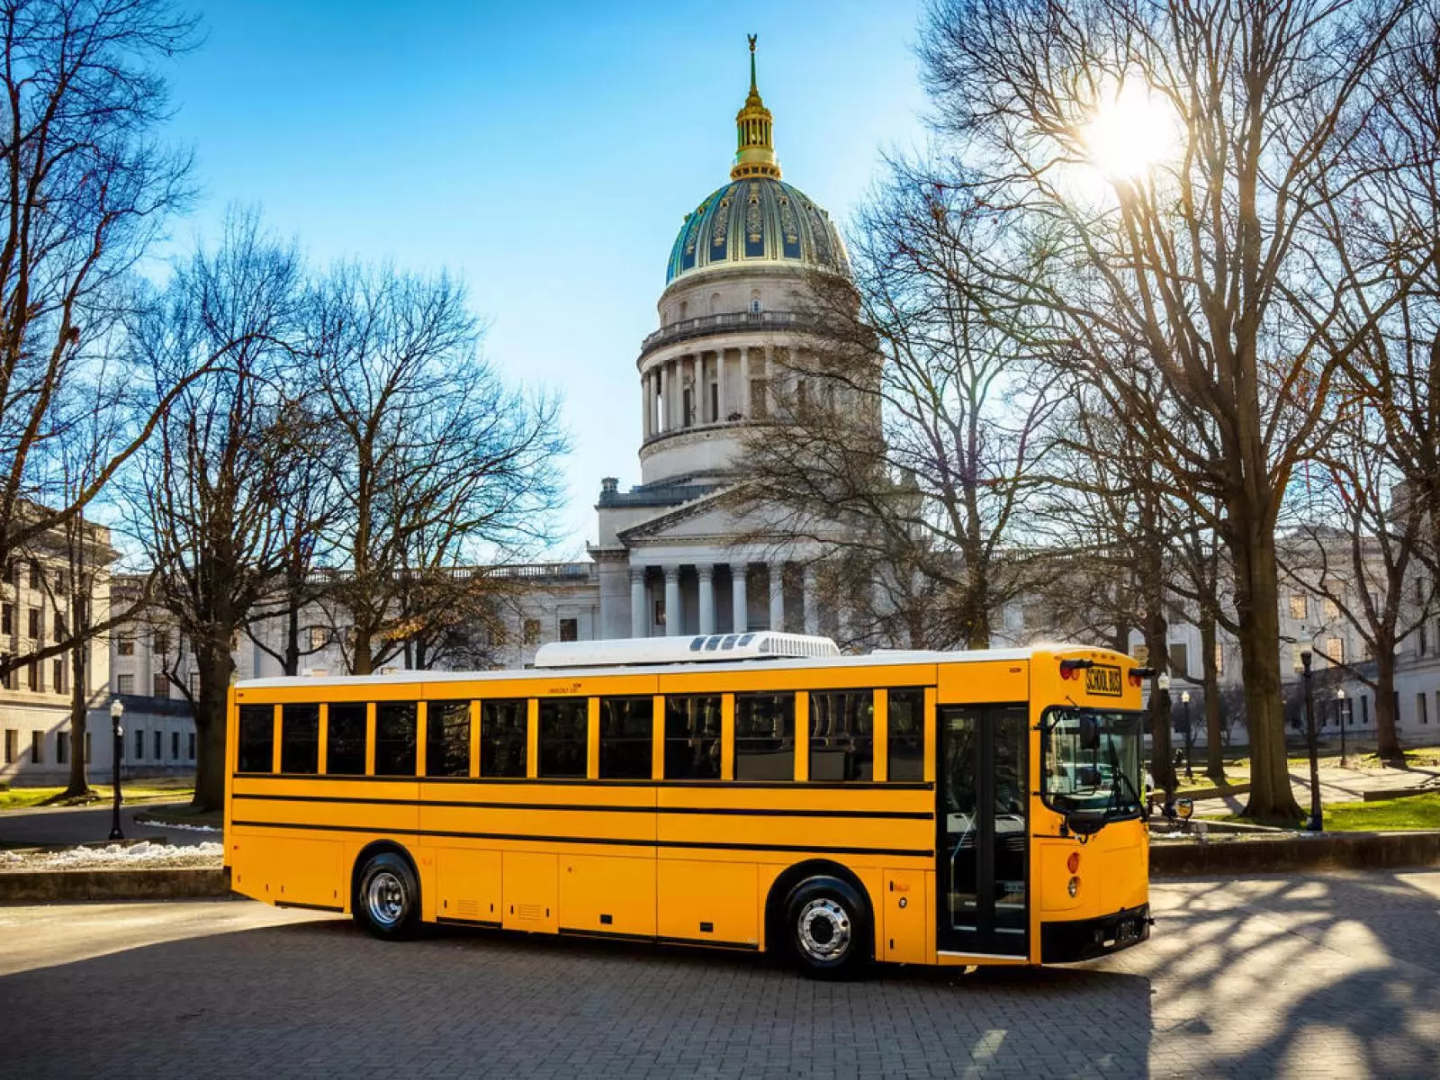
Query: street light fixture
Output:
(1340,716)
(117,710)
(1316,824)
(1189,737)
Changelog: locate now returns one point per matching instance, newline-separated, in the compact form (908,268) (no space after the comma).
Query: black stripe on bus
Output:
(903,815)
(577,781)
(309,907)
(904,853)
(489,924)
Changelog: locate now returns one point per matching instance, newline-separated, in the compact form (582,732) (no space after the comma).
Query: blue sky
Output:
(545,154)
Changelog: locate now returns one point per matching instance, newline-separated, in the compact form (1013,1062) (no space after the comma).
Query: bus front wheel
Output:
(387,898)
(829,927)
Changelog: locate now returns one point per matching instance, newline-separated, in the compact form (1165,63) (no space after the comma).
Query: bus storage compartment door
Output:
(305,872)
(529,882)
(607,894)
(708,902)
(903,924)
(468,885)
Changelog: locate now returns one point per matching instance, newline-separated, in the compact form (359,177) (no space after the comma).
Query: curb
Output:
(1397,793)
(150,883)
(1333,851)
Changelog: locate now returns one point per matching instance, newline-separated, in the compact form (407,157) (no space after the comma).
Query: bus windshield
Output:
(1091,761)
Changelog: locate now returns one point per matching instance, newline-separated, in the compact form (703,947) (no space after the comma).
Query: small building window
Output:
(660,612)
(531,632)
(905,735)
(764,736)
(175,746)
(37,624)
(37,576)
(140,746)
(32,676)
(1297,606)
(57,675)
(37,747)
(159,746)
(190,756)
(1179,658)
(395,737)
(692,737)
(88,747)
(12,742)
(159,642)
(256,750)
(345,740)
(447,738)
(124,684)
(62,747)
(564,737)
(299,739)
(160,685)
(1335,650)
(626,735)
(1420,712)
(7,619)
(842,735)
(124,645)
(503,742)
(569,629)
(319,638)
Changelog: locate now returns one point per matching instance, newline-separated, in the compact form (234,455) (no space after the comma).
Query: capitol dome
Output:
(756,218)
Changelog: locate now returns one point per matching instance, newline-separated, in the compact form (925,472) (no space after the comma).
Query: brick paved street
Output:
(1306,976)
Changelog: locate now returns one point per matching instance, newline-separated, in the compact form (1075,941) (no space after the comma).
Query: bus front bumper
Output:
(1085,939)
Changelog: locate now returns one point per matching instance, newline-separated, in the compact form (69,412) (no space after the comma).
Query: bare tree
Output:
(87,189)
(437,465)
(907,434)
(1204,258)
(205,492)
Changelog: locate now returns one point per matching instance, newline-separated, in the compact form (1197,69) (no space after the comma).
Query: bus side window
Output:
(564,737)
(447,738)
(396,728)
(626,730)
(256,738)
(692,737)
(906,742)
(764,736)
(842,735)
(345,740)
(300,739)
(503,738)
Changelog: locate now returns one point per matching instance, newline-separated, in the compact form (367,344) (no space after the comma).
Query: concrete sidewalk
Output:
(1342,785)
(86,824)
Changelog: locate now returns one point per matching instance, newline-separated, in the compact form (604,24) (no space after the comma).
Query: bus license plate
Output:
(1103,680)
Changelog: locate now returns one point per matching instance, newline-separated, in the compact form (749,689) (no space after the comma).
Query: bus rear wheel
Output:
(829,928)
(387,897)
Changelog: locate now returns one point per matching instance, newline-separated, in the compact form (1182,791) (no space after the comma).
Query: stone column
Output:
(745,381)
(769,379)
(672,601)
(662,419)
(645,406)
(812,618)
(777,596)
(720,407)
(739,603)
(707,597)
(639,616)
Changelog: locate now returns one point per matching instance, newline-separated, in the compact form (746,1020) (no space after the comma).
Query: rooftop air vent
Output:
(629,652)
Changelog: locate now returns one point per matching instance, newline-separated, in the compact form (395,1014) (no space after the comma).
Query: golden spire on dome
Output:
(755,153)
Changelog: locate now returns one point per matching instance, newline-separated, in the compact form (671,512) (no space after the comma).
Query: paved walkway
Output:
(84,824)
(1289,976)
(1339,785)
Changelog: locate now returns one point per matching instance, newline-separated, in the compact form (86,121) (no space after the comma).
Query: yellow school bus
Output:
(749,791)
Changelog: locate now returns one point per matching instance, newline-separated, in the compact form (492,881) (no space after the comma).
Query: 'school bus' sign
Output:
(1103,680)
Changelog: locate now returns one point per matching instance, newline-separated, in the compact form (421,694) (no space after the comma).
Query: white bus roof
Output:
(730,663)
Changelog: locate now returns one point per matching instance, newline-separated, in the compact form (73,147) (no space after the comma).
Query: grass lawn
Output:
(1423,756)
(160,789)
(1416,812)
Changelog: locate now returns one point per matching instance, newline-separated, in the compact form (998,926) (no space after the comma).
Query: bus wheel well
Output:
(775,936)
(369,851)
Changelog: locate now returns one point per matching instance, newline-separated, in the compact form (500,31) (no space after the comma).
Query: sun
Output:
(1132,130)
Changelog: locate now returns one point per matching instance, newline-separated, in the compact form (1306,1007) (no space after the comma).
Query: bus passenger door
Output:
(982,851)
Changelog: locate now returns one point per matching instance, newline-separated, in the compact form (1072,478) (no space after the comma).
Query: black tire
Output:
(387,897)
(827,926)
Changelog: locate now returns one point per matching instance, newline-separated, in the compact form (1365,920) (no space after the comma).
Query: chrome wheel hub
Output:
(824,930)
(385,898)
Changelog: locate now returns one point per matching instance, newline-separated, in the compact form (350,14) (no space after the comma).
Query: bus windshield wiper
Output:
(1120,774)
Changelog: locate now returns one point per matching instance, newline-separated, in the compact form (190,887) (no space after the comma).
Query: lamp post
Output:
(1316,824)
(117,710)
(1189,738)
(1340,716)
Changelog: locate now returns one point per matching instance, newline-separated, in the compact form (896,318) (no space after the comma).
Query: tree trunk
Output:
(1214,755)
(1257,598)
(360,660)
(216,667)
(1162,756)
(1389,740)
(79,714)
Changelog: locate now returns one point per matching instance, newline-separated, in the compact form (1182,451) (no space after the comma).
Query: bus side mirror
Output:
(1089,733)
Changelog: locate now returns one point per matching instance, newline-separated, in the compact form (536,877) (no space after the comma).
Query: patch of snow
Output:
(117,856)
(176,825)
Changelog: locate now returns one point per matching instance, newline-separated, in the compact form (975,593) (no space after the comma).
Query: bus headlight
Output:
(1074,886)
